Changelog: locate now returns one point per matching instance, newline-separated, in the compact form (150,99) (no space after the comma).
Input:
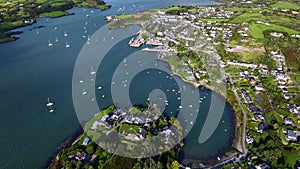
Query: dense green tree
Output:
(79,164)
(90,149)
(175,165)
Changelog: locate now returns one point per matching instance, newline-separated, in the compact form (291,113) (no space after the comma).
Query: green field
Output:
(124,16)
(237,9)
(286,5)
(127,19)
(55,14)
(215,19)
(257,30)
(249,16)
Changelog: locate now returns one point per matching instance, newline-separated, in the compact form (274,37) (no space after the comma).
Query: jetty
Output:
(137,42)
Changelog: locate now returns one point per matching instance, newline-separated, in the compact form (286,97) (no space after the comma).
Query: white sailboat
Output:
(65,34)
(84,92)
(51,110)
(92,71)
(49,103)
(67,44)
(49,43)
(56,39)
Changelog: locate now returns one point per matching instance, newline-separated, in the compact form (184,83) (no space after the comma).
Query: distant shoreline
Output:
(6,35)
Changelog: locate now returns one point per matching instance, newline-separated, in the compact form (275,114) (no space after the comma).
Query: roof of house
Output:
(80,155)
(86,141)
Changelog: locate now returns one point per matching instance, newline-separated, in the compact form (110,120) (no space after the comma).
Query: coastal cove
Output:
(36,127)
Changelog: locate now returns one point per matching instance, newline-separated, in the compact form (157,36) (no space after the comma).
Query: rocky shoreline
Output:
(65,144)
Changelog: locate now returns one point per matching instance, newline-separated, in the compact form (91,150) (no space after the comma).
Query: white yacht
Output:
(65,34)
(49,103)
(51,110)
(84,92)
(49,43)
(100,87)
(92,71)
(67,44)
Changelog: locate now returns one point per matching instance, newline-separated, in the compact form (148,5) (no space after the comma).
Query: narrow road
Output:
(230,160)
(244,114)
(234,159)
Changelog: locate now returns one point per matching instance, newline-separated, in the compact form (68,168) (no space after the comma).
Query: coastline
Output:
(63,145)
(230,97)
(230,154)
(234,148)
(236,144)
(6,35)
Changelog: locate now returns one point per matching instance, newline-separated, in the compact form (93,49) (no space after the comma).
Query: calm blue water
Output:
(31,71)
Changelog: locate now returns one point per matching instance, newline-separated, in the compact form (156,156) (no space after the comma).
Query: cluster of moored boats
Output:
(50,44)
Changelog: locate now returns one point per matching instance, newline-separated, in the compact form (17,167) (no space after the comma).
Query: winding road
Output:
(244,114)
